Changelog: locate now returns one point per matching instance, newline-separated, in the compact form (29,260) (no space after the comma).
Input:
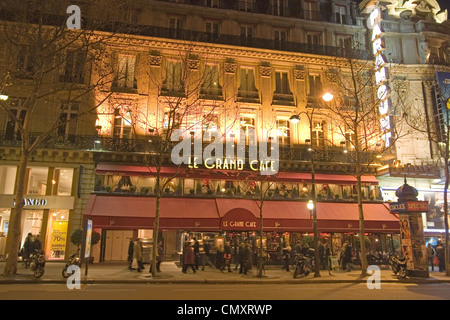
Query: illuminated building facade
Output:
(238,67)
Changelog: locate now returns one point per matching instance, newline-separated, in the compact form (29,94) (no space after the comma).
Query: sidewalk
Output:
(118,272)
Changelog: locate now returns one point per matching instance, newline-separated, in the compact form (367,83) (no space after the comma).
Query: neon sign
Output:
(381,75)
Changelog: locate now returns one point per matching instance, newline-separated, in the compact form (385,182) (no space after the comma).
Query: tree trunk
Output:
(260,255)
(362,238)
(15,227)
(156,226)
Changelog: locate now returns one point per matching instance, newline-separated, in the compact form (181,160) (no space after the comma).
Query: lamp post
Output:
(312,204)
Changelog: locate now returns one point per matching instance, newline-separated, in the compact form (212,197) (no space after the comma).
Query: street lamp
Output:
(311,205)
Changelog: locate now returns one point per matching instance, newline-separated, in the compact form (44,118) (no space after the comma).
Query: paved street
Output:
(226,292)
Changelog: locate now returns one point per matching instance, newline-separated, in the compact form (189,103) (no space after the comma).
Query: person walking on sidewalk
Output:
(286,254)
(327,258)
(440,254)
(137,254)
(430,255)
(207,257)
(196,253)
(188,258)
(227,256)
(130,254)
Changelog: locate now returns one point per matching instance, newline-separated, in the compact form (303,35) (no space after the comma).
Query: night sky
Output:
(444,4)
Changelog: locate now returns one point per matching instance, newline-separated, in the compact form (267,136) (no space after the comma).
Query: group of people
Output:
(135,256)
(31,244)
(192,257)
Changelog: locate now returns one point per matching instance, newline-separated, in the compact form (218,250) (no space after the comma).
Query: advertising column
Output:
(412,237)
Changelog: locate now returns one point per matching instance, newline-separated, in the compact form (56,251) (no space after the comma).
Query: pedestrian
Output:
(430,255)
(196,252)
(227,256)
(28,249)
(207,257)
(188,258)
(159,255)
(137,254)
(348,257)
(327,258)
(286,255)
(246,259)
(130,254)
(37,245)
(240,257)
(220,258)
(440,254)
(321,254)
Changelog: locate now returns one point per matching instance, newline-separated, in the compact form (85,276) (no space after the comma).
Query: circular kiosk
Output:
(409,210)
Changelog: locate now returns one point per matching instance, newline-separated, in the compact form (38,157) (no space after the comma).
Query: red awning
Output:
(344,217)
(139,212)
(123,212)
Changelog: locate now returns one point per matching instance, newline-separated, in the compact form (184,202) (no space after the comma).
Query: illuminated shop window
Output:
(7,179)
(57,236)
(37,181)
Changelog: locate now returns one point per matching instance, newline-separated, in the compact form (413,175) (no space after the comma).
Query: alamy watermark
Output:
(374,280)
(74,20)
(74,280)
(226,152)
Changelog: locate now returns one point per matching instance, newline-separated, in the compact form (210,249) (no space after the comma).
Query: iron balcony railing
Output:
(235,40)
(281,8)
(151,145)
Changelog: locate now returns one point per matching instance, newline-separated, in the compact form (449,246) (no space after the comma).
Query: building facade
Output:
(416,49)
(242,68)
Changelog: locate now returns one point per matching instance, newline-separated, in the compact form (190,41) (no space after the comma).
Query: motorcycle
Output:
(303,264)
(398,265)
(74,260)
(37,263)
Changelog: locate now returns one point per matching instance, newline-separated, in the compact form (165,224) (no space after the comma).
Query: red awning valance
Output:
(236,214)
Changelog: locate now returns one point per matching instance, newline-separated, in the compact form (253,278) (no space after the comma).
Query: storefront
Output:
(48,207)
(217,220)
(46,217)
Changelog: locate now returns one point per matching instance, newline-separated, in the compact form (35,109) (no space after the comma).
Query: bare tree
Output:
(358,125)
(190,103)
(47,64)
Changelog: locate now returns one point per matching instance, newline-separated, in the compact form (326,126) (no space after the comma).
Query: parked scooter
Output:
(303,264)
(74,260)
(398,265)
(37,263)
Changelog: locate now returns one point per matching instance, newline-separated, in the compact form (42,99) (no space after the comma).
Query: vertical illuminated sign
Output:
(381,75)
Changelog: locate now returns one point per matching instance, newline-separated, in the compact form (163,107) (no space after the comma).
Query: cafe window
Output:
(7,179)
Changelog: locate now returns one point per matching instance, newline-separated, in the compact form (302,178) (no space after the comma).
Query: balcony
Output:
(236,40)
(288,9)
(141,149)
